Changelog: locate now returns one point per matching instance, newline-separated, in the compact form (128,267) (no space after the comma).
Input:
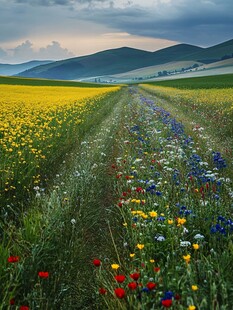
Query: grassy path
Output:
(88,196)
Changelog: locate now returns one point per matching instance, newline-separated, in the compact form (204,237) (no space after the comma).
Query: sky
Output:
(60,29)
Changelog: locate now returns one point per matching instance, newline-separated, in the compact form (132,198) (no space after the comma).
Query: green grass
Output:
(44,82)
(215,81)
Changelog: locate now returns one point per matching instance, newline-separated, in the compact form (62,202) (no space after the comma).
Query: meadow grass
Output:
(205,82)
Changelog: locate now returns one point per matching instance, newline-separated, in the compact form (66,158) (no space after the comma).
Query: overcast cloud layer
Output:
(58,29)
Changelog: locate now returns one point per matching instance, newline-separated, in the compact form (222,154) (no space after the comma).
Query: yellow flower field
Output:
(35,121)
(213,106)
(222,98)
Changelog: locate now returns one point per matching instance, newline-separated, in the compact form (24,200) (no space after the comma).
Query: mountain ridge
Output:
(12,69)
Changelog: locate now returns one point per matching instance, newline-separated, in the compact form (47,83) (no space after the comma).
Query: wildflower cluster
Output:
(175,207)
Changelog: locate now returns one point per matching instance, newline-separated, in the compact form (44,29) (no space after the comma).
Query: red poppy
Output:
(177,297)
(151,285)
(167,303)
(43,274)
(96,262)
(13,259)
(12,301)
(120,278)
(24,308)
(120,204)
(132,285)
(156,269)
(102,291)
(135,276)
(120,292)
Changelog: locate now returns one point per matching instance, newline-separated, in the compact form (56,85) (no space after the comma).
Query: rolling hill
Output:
(125,59)
(108,62)
(9,69)
(213,53)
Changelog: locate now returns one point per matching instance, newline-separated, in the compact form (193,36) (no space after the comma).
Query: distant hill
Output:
(213,53)
(8,69)
(125,59)
(108,62)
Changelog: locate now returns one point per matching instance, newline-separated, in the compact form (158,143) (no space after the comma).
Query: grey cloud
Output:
(59,2)
(54,49)
(197,22)
(3,53)
(25,51)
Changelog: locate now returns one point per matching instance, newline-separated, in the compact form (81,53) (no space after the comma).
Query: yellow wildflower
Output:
(132,255)
(153,214)
(196,246)
(140,246)
(181,221)
(187,258)
(194,287)
(115,266)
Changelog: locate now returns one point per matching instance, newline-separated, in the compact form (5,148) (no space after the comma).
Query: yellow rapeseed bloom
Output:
(34,120)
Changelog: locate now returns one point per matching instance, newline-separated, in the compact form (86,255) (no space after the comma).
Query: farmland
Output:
(116,197)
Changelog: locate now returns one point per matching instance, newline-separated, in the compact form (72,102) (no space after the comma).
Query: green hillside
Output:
(108,62)
(213,53)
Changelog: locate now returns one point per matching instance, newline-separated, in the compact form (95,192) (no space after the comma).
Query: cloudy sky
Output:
(58,29)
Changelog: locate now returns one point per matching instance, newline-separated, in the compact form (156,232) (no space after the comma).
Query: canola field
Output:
(36,123)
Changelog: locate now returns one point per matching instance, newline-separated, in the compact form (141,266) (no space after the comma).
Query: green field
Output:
(44,82)
(216,81)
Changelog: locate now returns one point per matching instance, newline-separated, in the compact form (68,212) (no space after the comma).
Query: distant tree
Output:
(195,66)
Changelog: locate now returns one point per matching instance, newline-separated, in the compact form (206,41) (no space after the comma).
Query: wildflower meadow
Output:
(116,198)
